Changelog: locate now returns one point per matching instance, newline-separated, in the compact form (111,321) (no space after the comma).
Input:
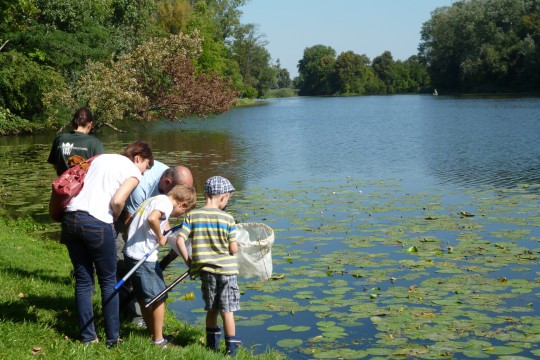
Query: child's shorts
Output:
(220,292)
(147,280)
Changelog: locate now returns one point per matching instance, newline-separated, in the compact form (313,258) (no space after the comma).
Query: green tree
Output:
(531,64)
(173,15)
(481,45)
(24,85)
(385,69)
(68,52)
(418,75)
(157,80)
(248,50)
(12,124)
(283,78)
(227,15)
(72,15)
(215,55)
(355,76)
(64,34)
(137,18)
(316,71)
(15,15)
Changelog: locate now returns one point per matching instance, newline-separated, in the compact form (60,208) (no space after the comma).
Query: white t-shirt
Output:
(105,175)
(141,238)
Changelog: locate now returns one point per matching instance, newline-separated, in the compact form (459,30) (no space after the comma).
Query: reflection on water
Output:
(206,153)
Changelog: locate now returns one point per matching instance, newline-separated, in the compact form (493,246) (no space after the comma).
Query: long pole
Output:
(137,265)
(167,289)
(141,261)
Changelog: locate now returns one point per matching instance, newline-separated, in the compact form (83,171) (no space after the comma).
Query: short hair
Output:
(175,175)
(82,117)
(184,194)
(171,173)
(139,148)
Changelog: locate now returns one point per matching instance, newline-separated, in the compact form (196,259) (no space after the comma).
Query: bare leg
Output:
(228,323)
(147,317)
(158,315)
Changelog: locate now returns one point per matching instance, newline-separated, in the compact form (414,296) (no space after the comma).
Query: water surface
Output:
(349,186)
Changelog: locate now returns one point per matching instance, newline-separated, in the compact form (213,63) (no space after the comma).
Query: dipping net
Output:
(254,255)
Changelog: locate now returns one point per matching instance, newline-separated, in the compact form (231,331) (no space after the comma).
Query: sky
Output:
(368,27)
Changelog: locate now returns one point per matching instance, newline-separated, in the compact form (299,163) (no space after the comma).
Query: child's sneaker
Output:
(90,342)
(166,343)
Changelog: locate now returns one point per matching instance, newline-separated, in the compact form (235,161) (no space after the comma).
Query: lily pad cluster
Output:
(367,270)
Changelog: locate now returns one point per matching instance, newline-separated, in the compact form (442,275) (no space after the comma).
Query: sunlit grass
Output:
(37,309)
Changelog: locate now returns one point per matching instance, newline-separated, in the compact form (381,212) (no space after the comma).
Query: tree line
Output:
(483,46)
(126,60)
(471,46)
(165,59)
(320,72)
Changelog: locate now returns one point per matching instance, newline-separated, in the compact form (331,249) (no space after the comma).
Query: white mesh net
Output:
(254,255)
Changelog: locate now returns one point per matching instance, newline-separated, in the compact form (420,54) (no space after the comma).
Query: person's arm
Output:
(233,244)
(233,247)
(119,198)
(167,225)
(182,249)
(155,224)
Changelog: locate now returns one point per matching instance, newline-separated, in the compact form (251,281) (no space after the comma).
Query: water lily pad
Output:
(289,343)
(279,327)
(503,350)
(476,354)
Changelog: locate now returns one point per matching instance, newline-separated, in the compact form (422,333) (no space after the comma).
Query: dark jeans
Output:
(92,243)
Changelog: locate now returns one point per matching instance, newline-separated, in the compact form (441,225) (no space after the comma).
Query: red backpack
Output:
(67,185)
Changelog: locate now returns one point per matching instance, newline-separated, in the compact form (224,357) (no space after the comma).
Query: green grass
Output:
(37,309)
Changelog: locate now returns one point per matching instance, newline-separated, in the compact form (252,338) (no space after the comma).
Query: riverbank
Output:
(37,308)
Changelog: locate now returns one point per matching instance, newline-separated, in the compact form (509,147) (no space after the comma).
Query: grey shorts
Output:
(147,280)
(220,292)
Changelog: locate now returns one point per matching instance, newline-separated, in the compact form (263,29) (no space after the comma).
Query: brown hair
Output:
(184,194)
(82,117)
(140,148)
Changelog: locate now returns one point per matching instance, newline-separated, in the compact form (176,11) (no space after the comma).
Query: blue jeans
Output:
(147,280)
(92,243)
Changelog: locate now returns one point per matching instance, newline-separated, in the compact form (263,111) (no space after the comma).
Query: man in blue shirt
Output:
(160,179)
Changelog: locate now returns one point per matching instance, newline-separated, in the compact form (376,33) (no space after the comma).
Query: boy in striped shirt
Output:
(212,232)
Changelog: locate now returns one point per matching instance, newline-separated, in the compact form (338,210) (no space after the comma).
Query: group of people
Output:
(128,198)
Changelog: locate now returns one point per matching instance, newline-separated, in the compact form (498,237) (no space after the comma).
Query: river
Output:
(342,180)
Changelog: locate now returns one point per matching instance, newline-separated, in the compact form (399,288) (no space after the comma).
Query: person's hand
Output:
(188,262)
(162,240)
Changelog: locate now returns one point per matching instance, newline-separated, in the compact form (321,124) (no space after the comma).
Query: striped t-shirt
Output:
(211,231)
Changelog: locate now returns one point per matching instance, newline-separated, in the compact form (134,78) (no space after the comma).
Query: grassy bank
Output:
(37,308)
